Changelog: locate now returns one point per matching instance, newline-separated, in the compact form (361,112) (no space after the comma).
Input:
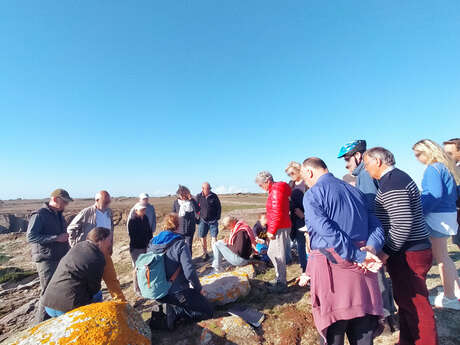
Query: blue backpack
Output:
(151,275)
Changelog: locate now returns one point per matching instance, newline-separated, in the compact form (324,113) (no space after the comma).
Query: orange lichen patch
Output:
(96,324)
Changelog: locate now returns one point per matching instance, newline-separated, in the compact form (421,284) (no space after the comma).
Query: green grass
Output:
(3,258)
(13,274)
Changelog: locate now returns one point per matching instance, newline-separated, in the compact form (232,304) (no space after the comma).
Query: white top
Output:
(387,170)
(103,219)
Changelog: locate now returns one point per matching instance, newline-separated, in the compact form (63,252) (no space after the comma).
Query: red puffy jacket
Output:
(278,207)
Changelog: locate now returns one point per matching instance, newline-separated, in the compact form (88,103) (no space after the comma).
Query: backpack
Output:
(151,275)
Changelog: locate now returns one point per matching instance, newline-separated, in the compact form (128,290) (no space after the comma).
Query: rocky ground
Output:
(288,317)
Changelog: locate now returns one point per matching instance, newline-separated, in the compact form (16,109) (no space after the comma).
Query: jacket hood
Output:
(358,169)
(163,240)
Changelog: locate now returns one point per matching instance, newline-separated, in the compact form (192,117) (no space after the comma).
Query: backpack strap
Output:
(175,274)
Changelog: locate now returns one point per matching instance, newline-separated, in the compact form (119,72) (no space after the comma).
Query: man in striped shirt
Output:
(407,249)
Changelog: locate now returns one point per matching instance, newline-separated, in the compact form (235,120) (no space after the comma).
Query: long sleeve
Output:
(432,189)
(111,280)
(131,229)
(219,208)
(319,224)
(188,268)
(154,220)
(34,231)
(75,228)
(398,207)
(276,209)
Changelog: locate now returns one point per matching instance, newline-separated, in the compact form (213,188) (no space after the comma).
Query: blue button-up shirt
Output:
(337,216)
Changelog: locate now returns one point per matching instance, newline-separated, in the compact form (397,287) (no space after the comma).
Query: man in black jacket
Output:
(210,210)
(49,241)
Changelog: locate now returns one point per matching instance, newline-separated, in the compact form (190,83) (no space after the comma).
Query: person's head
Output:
(229,222)
(102,200)
(264,179)
(428,152)
(377,160)
(352,153)
(170,222)
(144,198)
(102,238)
(59,199)
(293,171)
(263,219)
(206,188)
(139,209)
(350,179)
(452,148)
(183,193)
(312,169)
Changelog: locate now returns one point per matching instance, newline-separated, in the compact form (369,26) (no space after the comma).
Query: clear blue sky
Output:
(141,96)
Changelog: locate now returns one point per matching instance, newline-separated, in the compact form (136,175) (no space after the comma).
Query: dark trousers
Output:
(45,271)
(189,240)
(386,289)
(416,318)
(359,331)
(189,304)
(301,250)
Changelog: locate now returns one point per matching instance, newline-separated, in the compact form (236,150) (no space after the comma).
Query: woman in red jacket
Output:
(278,226)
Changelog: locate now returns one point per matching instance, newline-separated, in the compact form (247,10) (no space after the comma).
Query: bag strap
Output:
(175,274)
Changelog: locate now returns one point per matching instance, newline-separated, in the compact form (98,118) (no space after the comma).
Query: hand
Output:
(64,237)
(368,249)
(260,241)
(303,280)
(371,263)
(383,257)
(270,236)
(202,292)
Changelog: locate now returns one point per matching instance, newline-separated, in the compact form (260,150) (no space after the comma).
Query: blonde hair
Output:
(229,220)
(294,165)
(434,153)
(170,222)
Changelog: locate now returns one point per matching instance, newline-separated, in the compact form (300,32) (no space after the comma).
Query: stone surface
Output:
(13,223)
(94,324)
(227,287)
(227,330)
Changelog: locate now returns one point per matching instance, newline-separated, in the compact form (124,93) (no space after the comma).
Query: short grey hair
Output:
(381,153)
(263,177)
(229,220)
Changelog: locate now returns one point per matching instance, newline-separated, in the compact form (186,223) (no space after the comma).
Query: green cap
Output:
(61,193)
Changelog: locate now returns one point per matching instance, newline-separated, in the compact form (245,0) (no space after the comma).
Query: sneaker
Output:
(217,270)
(441,301)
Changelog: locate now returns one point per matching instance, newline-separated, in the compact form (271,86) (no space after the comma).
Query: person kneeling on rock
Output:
(237,248)
(77,280)
(181,301)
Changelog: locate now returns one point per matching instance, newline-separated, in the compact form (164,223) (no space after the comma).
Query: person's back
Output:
(345,207)
(77,278)
(278,207)
(439,190)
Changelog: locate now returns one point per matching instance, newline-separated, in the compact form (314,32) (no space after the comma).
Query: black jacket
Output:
(44,226)
(296,201)
(187,223)
(210,207)
(140,232)
(77,278)
(242,245)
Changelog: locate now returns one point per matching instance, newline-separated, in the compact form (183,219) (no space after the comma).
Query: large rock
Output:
(13,223)
(95,324)
(227,287)
(227,330)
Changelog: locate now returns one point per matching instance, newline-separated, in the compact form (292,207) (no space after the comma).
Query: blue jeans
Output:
(221,251)
(204,227)
(55,313)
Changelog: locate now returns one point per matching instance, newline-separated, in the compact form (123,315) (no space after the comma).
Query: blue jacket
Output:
(177,253)
(337,216)
(439,190)
(366,184)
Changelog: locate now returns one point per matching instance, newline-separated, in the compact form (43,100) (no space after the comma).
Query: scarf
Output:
(185,207)
(241,226)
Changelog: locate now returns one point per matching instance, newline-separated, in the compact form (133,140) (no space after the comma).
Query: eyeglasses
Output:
(291,173)
(417,153)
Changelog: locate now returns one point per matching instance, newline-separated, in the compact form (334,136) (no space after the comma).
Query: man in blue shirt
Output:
(345,236)
(353,154)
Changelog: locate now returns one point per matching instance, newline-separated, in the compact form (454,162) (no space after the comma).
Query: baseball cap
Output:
(139,206)
(61,193)
(143,196)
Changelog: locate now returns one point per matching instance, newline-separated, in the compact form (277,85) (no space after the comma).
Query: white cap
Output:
(143,196)
(139,206)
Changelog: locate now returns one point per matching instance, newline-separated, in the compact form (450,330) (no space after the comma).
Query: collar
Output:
(358,169)
(324,177)
(387,170)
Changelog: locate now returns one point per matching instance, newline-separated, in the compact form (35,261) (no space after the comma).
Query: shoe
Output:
(205,257)
(170,316)
(216,270)
(392,323)
(278,288)
(441,301)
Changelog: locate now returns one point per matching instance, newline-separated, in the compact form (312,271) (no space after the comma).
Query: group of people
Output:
(352,230)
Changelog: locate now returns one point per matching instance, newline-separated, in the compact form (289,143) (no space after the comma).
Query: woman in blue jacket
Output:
(439,196)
